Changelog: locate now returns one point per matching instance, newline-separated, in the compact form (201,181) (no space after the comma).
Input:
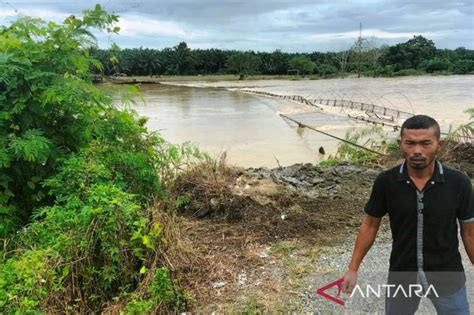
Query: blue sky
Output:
(264,25)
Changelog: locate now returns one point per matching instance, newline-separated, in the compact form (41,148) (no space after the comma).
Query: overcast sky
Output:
(265,25)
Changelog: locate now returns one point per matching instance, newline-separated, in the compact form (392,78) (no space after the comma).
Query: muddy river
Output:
(219,117)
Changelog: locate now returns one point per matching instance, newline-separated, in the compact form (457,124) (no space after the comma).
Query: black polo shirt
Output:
(424,223)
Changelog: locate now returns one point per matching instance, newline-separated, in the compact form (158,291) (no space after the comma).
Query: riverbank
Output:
(265,239)
(256,235)
(213,78)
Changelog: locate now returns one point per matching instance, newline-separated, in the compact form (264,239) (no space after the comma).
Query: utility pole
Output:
(359,53)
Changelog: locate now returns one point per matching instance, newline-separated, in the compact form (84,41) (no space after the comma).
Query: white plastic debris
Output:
(264,253)
(284,216)
(242,278)
(214,202)
(218,284)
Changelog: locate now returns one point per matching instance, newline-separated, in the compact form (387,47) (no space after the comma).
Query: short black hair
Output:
(421,122)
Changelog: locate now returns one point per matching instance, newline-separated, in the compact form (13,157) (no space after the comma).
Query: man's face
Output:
(419,147)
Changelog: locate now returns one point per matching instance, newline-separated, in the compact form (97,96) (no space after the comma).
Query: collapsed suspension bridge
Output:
(376,114)
(369,113)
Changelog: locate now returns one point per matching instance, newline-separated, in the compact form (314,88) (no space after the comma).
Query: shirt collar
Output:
(438,174)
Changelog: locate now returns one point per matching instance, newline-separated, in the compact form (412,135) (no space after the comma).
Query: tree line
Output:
(366,57)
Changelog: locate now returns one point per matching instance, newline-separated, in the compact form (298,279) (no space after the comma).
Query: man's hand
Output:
(350,280)
(365,239)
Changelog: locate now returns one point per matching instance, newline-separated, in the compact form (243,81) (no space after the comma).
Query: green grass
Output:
(283,248)
(329,162)
(296,209)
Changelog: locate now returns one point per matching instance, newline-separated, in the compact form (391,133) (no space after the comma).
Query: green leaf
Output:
(32,147)
(4,158)
(147,241)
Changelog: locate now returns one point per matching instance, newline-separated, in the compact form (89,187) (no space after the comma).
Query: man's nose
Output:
(417,150)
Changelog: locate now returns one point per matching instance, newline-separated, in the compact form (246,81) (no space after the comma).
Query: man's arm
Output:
(467,235)
(367,233)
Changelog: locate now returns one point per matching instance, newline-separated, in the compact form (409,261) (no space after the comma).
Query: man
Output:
(424,201)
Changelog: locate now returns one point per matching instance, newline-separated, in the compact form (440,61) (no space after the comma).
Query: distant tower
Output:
(359,48)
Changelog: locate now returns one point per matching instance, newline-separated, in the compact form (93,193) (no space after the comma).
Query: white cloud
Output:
(292,18)
(7,13)
(291,25)
(45,14)
(134,25)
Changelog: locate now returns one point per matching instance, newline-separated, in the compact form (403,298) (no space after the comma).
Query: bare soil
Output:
(241,229)
(247,237)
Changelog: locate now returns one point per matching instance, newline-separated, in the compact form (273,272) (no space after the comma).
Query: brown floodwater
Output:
(218,117)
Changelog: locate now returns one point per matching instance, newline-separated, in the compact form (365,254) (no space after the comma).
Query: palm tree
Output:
(149,61)
(180,59)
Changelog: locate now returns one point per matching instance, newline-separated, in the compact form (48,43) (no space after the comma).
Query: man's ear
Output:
(399,141)
(440,143)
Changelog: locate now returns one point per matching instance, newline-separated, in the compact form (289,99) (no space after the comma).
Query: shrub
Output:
(302,63)
(406,72)
(50,107)
(462,66)
(76,177)
(326,70)
(437,64)
(370,138)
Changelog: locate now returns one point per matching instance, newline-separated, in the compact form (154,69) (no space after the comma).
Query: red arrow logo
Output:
(337,283)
